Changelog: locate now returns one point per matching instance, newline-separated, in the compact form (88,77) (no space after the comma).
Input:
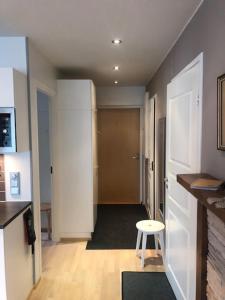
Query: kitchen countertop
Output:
(9,210)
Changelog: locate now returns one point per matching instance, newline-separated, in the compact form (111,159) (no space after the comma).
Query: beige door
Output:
(118,151)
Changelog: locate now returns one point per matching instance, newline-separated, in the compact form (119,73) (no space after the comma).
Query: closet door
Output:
(75,171)
(94,152)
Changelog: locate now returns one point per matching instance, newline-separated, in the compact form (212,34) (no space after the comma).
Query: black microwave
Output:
(7,130)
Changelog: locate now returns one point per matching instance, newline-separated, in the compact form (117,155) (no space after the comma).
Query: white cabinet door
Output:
(183,156)
(75,172)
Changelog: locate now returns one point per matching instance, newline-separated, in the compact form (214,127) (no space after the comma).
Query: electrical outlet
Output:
(15,183)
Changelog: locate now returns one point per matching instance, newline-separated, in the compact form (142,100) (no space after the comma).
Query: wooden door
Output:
(183,156)
(118,149)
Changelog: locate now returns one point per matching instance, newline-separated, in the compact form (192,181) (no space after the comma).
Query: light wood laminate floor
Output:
(72,273)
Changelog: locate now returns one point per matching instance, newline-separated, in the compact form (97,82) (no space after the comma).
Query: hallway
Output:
(70,272)
(115,227)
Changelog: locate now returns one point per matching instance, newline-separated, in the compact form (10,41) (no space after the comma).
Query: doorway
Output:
(119,155)
(45,168)
(150,150)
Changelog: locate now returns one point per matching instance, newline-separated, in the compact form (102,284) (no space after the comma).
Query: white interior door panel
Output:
(183,155)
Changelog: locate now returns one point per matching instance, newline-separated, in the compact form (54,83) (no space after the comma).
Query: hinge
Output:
(51,169)
(152,165)
(198,100)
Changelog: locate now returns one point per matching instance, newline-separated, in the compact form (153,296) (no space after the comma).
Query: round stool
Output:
(149,227)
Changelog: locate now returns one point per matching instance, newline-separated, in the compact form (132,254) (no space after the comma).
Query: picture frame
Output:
(221,112)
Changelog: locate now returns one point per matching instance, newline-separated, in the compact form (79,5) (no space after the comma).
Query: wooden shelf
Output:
(186,180)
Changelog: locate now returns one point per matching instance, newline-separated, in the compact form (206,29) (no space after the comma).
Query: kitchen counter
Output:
(9,210)
(15,253)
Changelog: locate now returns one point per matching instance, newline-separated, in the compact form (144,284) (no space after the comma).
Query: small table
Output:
(149,227)
(46,208)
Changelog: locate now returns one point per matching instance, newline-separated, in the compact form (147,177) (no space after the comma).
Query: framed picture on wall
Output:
(221,112)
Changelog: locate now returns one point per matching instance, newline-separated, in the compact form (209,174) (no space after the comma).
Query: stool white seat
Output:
(149,227)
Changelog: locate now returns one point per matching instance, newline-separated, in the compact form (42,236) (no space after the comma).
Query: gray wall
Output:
(44,151)
(121,96)
(205,33)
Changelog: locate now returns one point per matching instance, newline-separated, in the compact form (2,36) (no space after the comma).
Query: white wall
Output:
(120,96)
(13,54)
(40,68)
(42,77)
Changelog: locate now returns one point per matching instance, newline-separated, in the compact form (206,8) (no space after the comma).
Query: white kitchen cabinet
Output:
(16,262)
(13,94)
(76,158)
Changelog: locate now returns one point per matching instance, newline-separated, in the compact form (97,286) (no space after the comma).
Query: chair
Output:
(46,208)
(149,227)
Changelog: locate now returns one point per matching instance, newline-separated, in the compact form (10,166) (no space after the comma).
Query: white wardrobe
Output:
(76,158)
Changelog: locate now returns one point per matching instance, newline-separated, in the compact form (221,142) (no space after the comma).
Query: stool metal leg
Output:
(156,242)
(161,238)
(144,240)
(138,242)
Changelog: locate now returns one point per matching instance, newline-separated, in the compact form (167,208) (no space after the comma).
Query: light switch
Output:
(15,183)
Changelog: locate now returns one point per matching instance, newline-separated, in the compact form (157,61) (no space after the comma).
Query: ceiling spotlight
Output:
(116,42)
(116,68)
(116,82)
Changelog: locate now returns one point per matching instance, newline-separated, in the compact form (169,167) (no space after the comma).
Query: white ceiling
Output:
(75,35)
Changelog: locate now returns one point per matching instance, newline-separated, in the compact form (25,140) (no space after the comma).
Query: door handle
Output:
(135,156)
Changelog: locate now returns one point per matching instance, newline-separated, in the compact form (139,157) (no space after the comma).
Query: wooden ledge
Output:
(187,179)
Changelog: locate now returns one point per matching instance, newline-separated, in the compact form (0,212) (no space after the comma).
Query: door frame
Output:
(141,153)
(198,60)
(146,151)
(36,86)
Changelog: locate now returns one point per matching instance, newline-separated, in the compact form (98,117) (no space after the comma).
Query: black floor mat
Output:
(146,286)
(116,227)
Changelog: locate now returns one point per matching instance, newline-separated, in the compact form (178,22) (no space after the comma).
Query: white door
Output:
(151,157)
(183,155)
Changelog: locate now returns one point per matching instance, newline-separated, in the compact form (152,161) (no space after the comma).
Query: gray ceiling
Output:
(75,35)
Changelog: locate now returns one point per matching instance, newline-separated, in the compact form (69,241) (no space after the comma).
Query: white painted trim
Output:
(141,152)
(36,86)
(153,98)
(198,60)
(118,106)
(75,235)
(177,38)
(3,294)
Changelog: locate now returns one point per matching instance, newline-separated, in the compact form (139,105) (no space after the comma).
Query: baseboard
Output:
(75,235)
(119,202)
(74,240)
(33,288)
(44,229)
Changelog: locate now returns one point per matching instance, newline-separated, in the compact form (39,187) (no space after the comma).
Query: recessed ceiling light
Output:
(116,68)
(116,82)
(116,42)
